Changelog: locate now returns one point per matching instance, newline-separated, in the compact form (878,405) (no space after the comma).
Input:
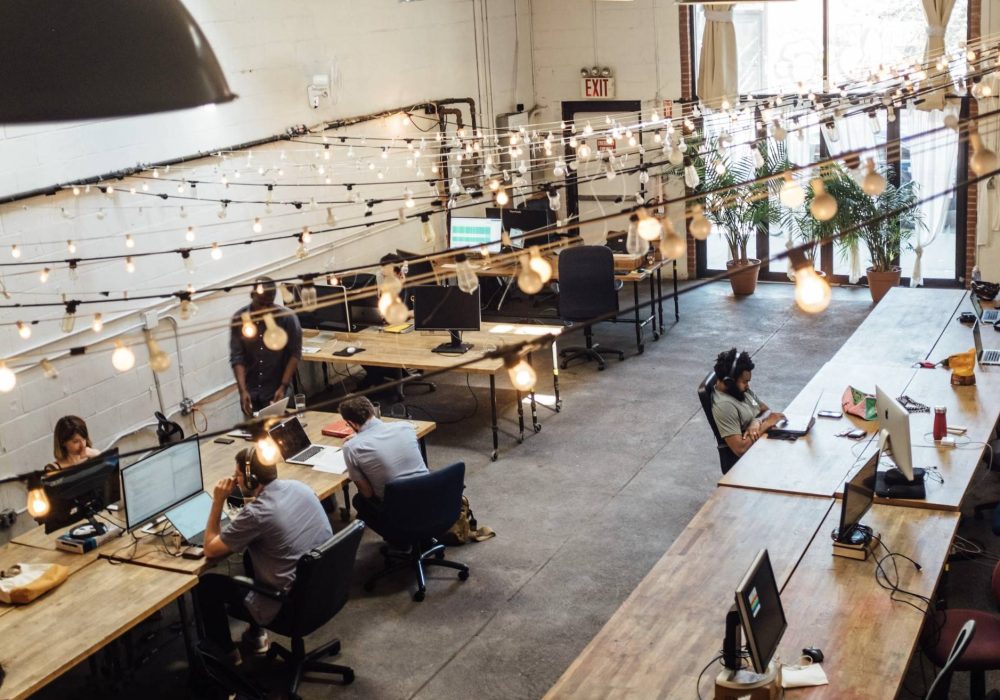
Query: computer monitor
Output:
(362,293)
(859,493)
(475,231)
(758,611)
(894,437)
(160,481)
(332,312)
(518,222)
(79,493)
(445,309)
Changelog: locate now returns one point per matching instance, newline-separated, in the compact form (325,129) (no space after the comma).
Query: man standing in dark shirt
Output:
(263,375)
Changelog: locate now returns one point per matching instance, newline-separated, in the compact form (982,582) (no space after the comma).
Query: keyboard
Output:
(991,356)
(309,452)
(990,316)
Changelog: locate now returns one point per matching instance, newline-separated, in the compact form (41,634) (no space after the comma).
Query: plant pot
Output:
(879,283)
(743,276)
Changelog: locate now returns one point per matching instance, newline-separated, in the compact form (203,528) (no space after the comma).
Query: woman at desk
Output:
(70,444)
(739,415)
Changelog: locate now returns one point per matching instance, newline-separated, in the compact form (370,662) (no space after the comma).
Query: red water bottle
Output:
(940,422)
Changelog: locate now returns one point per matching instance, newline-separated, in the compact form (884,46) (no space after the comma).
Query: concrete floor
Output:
(583,509)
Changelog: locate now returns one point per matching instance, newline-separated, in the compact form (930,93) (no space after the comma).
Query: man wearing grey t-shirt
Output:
(378,453)
(282,520)
(739,415)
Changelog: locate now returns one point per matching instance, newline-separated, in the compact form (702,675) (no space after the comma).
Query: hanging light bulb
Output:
(69,319)
(267,450)
(71,247)
(540,265)
(307,295)
(49,369)
(468,281)
(122,359)
(74,273)
(649,227)
(609,171)
(188,308)
(873,183)
(396,312)
(159,361)
(129,241)
(528,281)
(100,214)
(700,226)
(635,245)
(501,197)
(98,323)
(8,380)
(23,330)
(672,246)
(129,265)
(38,503)
(15,252)
(791,194)
(812,293)
(249,328)
(583,152)
(823,206)
(43,276)
(189,234)
(983,160)
(426,230)
(831,131)
(778,131)
(216,252)
(188,261)
(691,178)
(522,375)
(223,211)
(874,123)
(76,191)
(275,337)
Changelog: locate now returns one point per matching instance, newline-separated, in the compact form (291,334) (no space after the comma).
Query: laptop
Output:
(985,357)
(297,449)
(276,409)
(985,315)
(795,425)
(190,517)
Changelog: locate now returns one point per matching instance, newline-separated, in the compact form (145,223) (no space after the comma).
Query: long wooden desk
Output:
(414,351)
(673,623)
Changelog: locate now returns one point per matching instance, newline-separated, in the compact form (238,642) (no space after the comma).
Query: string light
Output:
(43,276)
(812,293)
(791,194)
(49,369)
(257,225)
(700,226)
(189,235)
(468,281)
(275,337)
(873,183)
(501,197)
(129,265)
(540,265)
(522,375)
(8,380)
(129,241)
(216,252)
(15,252)
(188,307)
(426,229)
(528,281)
(249,328)
(983,160)
(38,502)
(159,361)
(823,206)
(98,323)
(122,359)
(267,450)
(331,220)
(635,245)
(71,247)
(23,330)
(649,227)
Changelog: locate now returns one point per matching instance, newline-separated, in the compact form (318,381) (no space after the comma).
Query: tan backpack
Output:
(466,529)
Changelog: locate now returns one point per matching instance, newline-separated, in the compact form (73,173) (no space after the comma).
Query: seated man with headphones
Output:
(282,520)
(739,415)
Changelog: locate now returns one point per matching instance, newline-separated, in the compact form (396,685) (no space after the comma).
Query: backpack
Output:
(466,528)
(166,430)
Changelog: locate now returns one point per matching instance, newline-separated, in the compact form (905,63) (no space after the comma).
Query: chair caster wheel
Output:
(419,596)
(463,575)
(348,677)
(369,586)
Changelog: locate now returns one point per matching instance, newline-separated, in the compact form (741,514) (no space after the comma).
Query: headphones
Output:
(251,479)
(730,379)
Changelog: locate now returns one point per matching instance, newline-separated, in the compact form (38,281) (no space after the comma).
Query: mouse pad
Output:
(344,353)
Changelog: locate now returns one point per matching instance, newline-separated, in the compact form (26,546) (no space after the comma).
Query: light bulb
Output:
(15,252)
(216,252)
(100,214)
(502,198)
(76,190)
(308,297)
(249,328)
(873,183)
(159,361)
(522,375)
(468,281)
(331,220)
(222,211)
(301,252)
(983,160)
(38,502)
(97,324)
(129,241)
(540,265)
(555,201)
(396,312)
(831,130)
(188,309)
(691,177)
(8,380)
(189,234)
(129,265)
(874,123)
(49,369)
(528,281)
(791,195)
(122,359)
(823,206)
(672,246)
(71,247)
(649,227)
(812,293)
(275,337)
(426,230)
(583,152)
(188,261)
(633,244)
(257,225)
(385,300)
(23,330)
(700,226)
(182,212)
(68,320)
(267,450)
(306,234)
(609,172)
(778,131)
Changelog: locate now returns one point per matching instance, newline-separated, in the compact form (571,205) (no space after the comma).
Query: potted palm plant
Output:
(870,221)
(741,210)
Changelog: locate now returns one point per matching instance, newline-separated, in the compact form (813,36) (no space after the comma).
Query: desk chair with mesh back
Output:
(587,288)
(417,510)
(727,458)
(322,582)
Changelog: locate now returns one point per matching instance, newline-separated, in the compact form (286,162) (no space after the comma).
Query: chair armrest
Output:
(251,585)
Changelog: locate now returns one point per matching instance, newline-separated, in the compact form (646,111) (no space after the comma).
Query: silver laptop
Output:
(276,409)
(985,357)
(796,425)
(985,315)
(190,518)
(296,448)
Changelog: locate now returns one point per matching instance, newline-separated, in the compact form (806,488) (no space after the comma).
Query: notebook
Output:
(338,429)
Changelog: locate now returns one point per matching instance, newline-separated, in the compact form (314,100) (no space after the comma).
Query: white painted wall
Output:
(380,54)
(988,253)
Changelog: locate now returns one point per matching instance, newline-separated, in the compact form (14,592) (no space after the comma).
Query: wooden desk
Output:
(673,622)
(903,328)
(835,603)
(97,604)
(414,351)
(12,553)
(818,463)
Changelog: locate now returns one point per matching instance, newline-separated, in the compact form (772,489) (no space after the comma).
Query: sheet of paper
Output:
(334,464)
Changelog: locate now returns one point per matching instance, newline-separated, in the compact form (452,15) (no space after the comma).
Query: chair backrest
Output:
(424,506)
(727,458)
(322,583)
(962,641)
(586,282)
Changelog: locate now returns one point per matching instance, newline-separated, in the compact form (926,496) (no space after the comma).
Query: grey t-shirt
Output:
(281,525)
(381,452)
(733,417)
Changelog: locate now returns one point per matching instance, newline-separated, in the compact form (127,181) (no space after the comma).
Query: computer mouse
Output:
(350,349)
(813,653)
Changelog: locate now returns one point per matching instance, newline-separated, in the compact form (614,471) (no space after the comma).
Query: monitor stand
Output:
(91,529)
(892,483)
(455,347)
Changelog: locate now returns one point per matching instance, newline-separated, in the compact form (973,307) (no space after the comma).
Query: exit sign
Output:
(597,88)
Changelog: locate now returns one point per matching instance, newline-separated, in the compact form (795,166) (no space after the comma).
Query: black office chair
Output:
(322,582)
(942,682)
(227,679)
(727,458)
(417,510)
(587,289)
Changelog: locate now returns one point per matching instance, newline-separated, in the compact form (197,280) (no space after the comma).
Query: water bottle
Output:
(940,422)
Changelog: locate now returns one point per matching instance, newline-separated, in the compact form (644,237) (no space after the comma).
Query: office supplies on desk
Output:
(398,328)
(23,583)
(296,447)
(82,545)
(349,351)
(161,481)
(852,539)
(985,357)
(190,517)
(338,429)
(985,315)
(795,425)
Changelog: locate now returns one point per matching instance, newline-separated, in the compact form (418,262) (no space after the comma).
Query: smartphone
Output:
(830,414)
(224,440)
(856,433)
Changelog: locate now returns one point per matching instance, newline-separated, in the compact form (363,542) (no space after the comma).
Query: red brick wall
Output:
(972,201)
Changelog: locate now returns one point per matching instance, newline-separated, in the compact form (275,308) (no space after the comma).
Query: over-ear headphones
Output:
(730,379)
(251,479)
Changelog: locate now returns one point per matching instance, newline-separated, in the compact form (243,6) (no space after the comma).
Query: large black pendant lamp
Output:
(66,60)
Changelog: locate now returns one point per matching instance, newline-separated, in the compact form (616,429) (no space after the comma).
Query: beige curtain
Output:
(937,12)
(718,67)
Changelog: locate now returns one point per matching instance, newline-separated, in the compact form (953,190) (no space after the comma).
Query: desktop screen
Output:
(475,231)
(444,308)
(161,480)
(332,313)
(858,495)
(759,604)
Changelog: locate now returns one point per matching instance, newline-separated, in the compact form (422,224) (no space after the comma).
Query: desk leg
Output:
(345,512)
(638,321)
(423,449)
(496,429)
(520,417)
(657,327)
(186,631)
(555,376)
(677,305)
(534,408)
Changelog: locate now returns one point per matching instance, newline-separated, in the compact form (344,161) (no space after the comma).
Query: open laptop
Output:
(190,517)
(985,357)
(985,315)
(276,409)
(296,448)
(795,425)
